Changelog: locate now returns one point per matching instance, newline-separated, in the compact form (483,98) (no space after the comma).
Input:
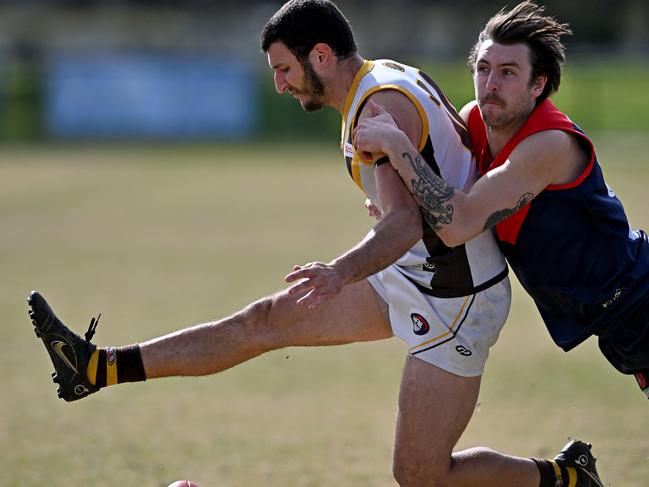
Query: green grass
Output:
(157,238)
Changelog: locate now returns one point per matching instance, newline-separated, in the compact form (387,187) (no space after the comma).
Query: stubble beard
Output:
(504,118)
(314,89)
(498,120)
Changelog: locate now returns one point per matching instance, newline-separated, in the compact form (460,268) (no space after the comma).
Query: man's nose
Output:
(280,82)
(492,82)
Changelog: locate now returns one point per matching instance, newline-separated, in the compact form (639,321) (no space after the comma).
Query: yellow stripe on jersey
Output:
(447,333)
(423,136)
(356,171)
(357,161)
(365,68)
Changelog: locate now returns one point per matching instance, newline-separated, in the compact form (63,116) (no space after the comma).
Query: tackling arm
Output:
(457,216)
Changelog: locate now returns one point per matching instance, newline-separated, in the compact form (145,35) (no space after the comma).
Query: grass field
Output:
(156,238)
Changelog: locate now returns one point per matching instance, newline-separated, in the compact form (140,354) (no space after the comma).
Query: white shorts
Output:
(454,334)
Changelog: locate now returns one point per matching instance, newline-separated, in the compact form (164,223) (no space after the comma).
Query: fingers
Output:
(369,134)
(359,142)
(366,156)
(371,107)
(311,299)
(301,288)
(374,109)
(306,275)
(310,296)
(372,209)
(310,280)
(316,284)
(299,272)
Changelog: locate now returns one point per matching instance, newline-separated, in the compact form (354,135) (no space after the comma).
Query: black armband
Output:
(381,160)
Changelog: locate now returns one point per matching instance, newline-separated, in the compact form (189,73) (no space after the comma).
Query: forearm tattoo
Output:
(498,216)
(431,192)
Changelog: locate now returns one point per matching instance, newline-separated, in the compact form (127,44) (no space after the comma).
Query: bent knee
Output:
(258,314)
(416,474)
(267,323)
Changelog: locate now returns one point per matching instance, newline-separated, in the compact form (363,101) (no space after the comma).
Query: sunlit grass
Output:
(162,237)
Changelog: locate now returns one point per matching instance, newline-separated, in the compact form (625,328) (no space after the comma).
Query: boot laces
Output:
(92,328)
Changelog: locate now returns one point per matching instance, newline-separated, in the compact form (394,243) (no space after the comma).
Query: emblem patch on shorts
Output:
(419,324)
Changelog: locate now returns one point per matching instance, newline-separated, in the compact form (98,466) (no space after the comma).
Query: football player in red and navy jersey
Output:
(562,228)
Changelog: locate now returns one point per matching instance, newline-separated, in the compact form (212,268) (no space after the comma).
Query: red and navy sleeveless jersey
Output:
(571,247)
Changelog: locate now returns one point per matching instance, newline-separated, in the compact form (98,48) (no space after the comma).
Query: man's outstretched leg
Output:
(355,314)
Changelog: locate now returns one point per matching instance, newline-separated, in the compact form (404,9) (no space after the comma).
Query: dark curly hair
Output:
(526,23)
(301,24)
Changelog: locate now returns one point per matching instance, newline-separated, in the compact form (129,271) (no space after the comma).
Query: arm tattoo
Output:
(500,215)
(431,192)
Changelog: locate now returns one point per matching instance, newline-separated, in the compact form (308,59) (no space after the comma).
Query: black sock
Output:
(109,366)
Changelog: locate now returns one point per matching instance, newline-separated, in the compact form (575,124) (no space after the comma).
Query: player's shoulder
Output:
(390,99)
(402,109)
(554,152)
(466,110)
(551,142)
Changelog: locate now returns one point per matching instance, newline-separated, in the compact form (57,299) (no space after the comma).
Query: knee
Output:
(263,323)
(257,316)
(414,473)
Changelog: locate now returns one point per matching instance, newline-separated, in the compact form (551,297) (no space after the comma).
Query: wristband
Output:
(381,160)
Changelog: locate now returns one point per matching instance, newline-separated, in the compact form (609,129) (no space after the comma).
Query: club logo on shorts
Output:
(419,324)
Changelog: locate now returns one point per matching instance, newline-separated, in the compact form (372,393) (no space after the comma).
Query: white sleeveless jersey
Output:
(433,267)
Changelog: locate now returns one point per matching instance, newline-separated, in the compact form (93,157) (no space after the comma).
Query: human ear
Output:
(321,54)
(539,85)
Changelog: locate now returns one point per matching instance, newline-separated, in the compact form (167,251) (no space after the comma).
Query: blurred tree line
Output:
(607,53)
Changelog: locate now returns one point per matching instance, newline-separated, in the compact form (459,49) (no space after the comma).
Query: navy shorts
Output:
(625,342)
